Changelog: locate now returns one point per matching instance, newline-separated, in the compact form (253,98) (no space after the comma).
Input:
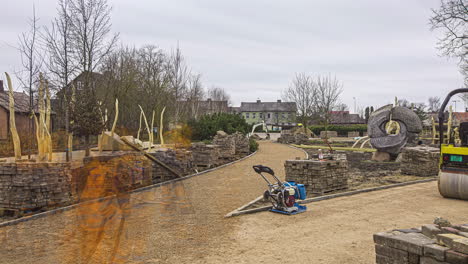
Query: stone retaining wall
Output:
(430,244)
(180,160)
(319,177)
(328,134)
(29,185)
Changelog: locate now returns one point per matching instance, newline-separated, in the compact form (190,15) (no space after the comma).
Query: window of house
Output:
(269,115)
(261,115)
(247,115)
(253,115)
(283,115)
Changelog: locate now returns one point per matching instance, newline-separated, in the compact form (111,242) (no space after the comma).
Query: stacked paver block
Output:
(205,156)
(298,139)
(28,186)
(111,174)
(420,161)
(353,134)
(319,177)
(242,145)
(180,160)
(227,146)
(430,244)
(328,134)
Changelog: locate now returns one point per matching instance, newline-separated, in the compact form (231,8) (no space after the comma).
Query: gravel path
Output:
(178,223)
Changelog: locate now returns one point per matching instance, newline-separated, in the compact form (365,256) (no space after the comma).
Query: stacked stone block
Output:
(205,156)
(111,174)
(180,160)
(430,244)
(319,177)
(353,134)
(420,161)
(227,145)
(298,139)
(328,134)
(28,186)
(242,145)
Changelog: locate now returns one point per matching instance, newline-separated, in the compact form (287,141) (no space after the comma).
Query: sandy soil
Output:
(183,223)
(179,223)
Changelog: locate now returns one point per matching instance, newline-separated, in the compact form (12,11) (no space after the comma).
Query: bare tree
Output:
(452,18)
(329,90)
(61,57)
(92,41)
(194,96)
(433,104)
(219,94)
(341,107)
(91,32)
(303,92)
(32,61)
(178,74)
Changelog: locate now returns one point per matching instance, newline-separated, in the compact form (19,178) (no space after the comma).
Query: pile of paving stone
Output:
(298,139)
(420,161)
(180,160)
(205,156)
(319,176)
(28,185)
(112,173)
(227,145)
(438,243)
(242,145)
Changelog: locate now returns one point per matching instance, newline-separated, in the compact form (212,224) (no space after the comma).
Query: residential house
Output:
(21,112)
(276,115)
(345,118)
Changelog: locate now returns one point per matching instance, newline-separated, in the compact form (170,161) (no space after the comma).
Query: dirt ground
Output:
(183,223)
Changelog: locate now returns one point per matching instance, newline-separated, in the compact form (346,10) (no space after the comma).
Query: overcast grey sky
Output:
(253,48)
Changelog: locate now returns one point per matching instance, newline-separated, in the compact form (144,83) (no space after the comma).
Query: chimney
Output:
(1,86)
(279,101)
(258,101)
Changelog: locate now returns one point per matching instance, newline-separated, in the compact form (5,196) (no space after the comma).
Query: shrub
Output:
(253,145)
(341,129)
(206,127)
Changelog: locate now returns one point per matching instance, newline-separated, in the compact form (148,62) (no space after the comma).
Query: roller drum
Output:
(453,185)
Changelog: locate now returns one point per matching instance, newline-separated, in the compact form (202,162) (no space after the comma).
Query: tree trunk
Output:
(87,146)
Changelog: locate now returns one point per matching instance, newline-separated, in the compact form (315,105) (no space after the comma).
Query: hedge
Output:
(341,129)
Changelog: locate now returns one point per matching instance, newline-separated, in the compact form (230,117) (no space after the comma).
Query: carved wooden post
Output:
(14,132)
(161,124)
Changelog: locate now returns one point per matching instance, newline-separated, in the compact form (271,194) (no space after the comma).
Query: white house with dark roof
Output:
(276,115)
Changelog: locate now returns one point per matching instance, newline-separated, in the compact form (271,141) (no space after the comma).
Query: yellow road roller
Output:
(453,167)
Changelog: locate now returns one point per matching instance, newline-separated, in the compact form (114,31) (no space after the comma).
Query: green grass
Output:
(336,148)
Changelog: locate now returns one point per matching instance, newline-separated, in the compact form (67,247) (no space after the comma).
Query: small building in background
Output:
(276,115)
(196,109)
(21,113)
(344,118)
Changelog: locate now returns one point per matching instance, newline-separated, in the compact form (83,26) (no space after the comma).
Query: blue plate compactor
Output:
(282,195)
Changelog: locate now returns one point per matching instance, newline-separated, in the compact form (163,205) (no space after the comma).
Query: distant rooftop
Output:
(260,106)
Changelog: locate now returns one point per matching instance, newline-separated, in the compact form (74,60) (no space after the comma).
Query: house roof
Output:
(268,107)
(461,117)
(21,102)
(344,117)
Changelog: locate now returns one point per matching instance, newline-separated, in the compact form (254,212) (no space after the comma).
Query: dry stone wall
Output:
(298,139)
(430,244)
(319,177)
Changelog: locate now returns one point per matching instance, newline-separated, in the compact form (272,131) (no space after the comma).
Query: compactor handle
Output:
(442,112)
(265,169)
